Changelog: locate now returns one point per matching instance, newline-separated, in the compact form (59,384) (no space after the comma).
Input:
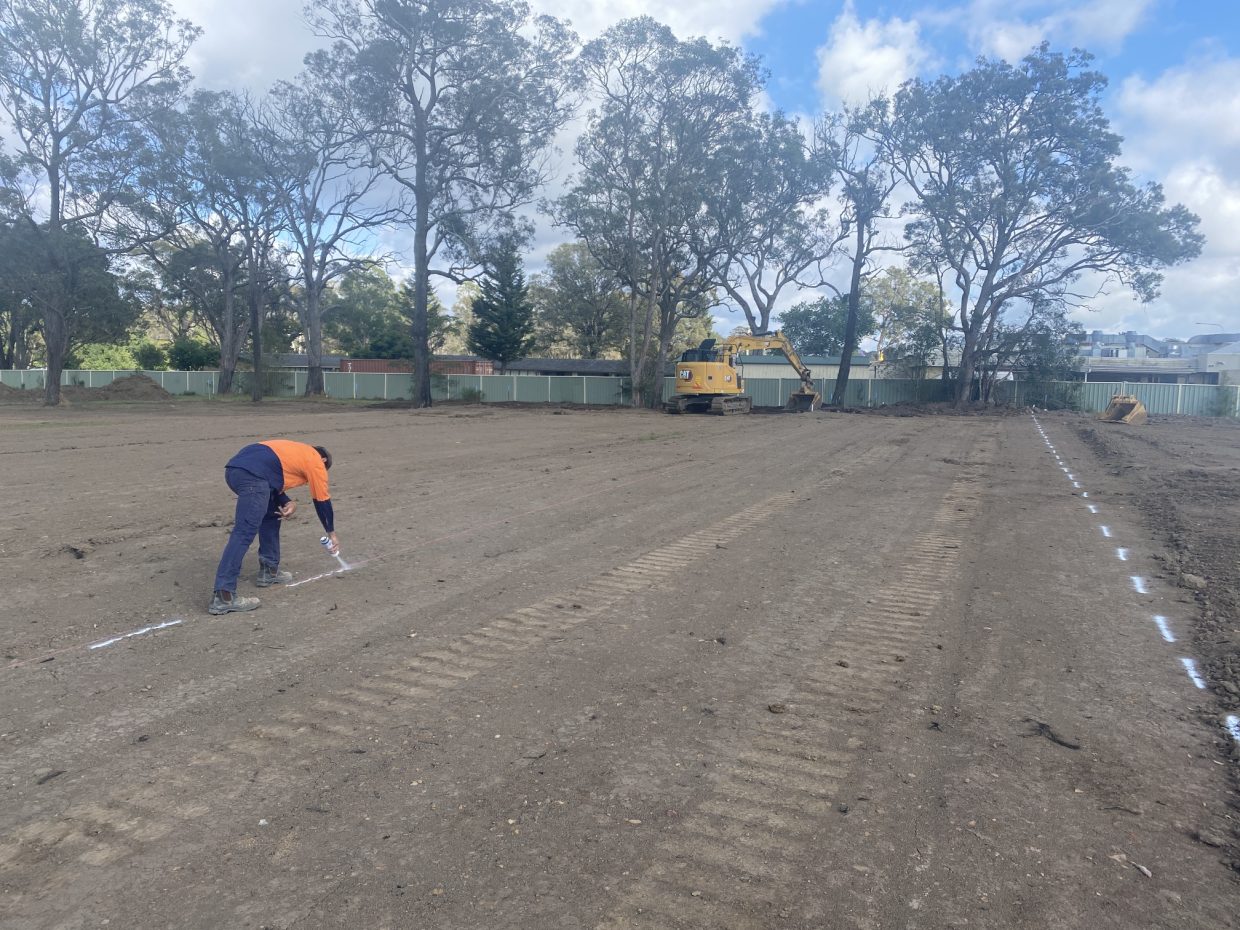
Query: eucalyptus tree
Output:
(329,190)
(864,181)
(84,85)
(579,302)
(912,322)
(461,100)
(654,146)
(769,226)
(1016,191)
(207,191)
(819,326)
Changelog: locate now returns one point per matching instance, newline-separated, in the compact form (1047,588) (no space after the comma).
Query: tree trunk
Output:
(56,342)
(850,326)
(964,386)
(421,288)
(256,329)
(230,336)
(314,342)
(637,356)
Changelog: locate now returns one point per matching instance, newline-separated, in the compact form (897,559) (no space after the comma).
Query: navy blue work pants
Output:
(256,516)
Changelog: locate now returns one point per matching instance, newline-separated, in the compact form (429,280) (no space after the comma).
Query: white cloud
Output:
(1193,109)
(247,44)
(1010,28)
(1199,297)
(1182,128)
(862,59)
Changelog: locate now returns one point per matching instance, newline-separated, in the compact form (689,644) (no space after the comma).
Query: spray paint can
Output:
(327,545)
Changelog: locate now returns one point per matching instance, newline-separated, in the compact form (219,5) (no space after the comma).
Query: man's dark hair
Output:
(327,456)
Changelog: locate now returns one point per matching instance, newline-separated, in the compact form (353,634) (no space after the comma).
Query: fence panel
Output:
(764,391)
(532,390)
(203,382)
(495,388)
(567,390)
(607,391)
(378,386)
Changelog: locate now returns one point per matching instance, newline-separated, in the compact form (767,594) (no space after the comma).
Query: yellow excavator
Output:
(707,380)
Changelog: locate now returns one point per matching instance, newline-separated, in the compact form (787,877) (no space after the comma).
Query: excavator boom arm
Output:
(776,340)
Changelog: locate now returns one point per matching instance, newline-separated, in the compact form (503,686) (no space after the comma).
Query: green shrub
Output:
(193,355)
(150,356)
(472,395)
(96,356)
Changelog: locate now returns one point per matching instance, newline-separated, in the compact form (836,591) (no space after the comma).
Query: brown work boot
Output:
(227,602)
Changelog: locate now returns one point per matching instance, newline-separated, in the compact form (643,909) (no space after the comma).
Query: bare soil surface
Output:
(613,669)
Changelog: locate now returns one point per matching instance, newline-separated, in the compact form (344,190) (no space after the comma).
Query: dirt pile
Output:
(12,395)
(130,387)
(929,409)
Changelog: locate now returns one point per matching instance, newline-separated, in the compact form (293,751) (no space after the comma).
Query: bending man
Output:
(261,475)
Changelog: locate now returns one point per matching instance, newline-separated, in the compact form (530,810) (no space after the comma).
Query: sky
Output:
(1173,94)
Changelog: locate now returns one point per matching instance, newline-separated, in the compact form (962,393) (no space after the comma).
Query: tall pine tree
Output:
(503,326)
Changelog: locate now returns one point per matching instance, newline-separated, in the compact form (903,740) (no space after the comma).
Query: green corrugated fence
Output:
(1092,397)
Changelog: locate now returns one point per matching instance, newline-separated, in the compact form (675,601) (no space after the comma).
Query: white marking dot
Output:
(1164,628)
(1191,668)
(1233,726)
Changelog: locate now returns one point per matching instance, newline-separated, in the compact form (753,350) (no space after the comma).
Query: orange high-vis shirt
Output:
(302,465)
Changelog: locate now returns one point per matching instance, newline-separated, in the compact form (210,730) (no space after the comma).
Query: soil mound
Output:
(131,387)
(12,395)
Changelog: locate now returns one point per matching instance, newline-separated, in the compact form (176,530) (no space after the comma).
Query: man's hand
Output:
(335,544)
(287,510)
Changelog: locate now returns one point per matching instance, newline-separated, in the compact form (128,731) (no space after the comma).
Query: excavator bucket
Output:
(803,401)
(1125,408)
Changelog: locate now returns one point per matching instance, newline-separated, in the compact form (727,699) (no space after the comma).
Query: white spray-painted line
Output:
(1138,584)
(1233,727)
(1164,628)
(1064,469)
(338,571)
(1071,477)
(1191,668)
(141,632)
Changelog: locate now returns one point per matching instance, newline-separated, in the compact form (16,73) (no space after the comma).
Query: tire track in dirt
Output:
(739,860)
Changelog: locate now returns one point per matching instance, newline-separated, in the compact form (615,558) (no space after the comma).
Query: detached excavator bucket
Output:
(803,401)
(1125,408)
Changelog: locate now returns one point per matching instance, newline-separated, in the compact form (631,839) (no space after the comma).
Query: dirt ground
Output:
(613,669)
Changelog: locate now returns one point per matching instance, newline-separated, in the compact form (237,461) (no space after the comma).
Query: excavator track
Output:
(720,405)
(729,405)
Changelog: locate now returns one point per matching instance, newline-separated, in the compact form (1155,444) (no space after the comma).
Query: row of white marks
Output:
(1138,582)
